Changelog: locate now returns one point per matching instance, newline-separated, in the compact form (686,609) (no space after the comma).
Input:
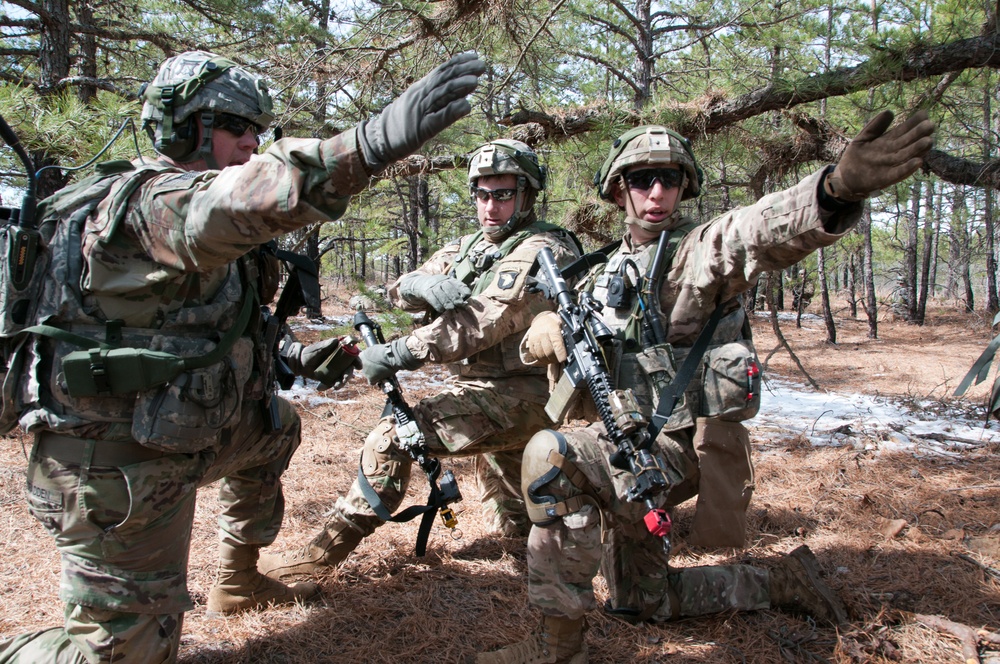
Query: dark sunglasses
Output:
(669,178)
(499,195)
(236,125)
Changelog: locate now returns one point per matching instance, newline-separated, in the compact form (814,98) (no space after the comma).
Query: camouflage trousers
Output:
(493,418)
(123,535)
(498,475)
(564,555)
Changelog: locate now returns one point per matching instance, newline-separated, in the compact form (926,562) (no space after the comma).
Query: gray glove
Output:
(384,360)
(425,109)
(330,361)
(876,158)
(437,290)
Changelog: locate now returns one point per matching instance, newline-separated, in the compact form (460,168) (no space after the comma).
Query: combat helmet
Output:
(654,145)
(509,157)
(193,87)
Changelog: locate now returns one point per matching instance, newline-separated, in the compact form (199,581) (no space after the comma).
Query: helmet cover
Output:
(652,145)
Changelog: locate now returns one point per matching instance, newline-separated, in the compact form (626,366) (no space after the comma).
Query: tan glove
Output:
(876,158)
(543,342)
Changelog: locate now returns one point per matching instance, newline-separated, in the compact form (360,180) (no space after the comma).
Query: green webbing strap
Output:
(209,358)
(465,272)
(105,369)
(673,392)
(461,268)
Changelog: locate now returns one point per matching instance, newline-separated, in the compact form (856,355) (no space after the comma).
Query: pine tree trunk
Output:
(824,296)
(910,254)
(871,304)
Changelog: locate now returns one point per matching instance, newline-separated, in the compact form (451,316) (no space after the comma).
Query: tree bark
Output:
(824,296)
(912,221)
(926,279)
(871,304)
(989,232)
(852,283)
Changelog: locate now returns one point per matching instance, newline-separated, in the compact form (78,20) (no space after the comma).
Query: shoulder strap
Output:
(672,393)
(462,269)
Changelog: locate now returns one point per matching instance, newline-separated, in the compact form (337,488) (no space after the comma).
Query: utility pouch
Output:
(21,272)
(656,367)
(189,412)
(725,486)
(731,385)
(117,371)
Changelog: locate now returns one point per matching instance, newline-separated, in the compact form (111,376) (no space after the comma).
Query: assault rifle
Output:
(584,333)
(411,441)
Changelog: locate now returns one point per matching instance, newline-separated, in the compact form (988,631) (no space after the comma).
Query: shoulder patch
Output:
(506,279)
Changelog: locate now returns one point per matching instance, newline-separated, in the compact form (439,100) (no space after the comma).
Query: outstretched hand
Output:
(423,111)
(877,158)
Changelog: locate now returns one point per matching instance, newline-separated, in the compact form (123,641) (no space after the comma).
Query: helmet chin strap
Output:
(651,226)
(205,148)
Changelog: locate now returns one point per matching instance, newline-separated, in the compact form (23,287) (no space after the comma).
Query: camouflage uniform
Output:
(714,262)
(167,265)
(497,402)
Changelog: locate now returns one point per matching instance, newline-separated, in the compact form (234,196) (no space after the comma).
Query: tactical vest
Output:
(477,266)
(634,363)
(172,385)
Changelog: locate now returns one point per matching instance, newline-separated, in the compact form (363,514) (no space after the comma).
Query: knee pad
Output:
(381,456)
(552,485)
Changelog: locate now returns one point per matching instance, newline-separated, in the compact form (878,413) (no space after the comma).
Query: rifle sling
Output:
(407,514)
(672,393)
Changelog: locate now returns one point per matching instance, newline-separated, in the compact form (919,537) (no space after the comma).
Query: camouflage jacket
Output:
(722,259)
(480,340)
(713,263)
(163,258)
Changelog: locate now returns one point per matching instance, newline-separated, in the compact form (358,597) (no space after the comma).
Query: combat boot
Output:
(795,586)
(326,551)
(555,641)
(241,587)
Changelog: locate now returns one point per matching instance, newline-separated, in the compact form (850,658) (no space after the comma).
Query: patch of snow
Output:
(792,411)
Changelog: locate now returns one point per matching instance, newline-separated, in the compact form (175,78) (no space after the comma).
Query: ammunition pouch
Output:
(731,382)
(502,360)
(651,371)
(188,413)
(117,371)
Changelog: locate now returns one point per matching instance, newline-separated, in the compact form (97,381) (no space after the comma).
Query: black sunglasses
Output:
(236,125)
(644,179)
(499,195)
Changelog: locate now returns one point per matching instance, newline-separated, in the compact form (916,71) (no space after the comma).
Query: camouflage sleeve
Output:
(197,221)
(439,263)
(504,308)
(723,258)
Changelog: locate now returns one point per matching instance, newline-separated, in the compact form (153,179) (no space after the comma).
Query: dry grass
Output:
(466,595)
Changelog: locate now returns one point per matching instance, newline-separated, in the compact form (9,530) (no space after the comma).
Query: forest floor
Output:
(901,536)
